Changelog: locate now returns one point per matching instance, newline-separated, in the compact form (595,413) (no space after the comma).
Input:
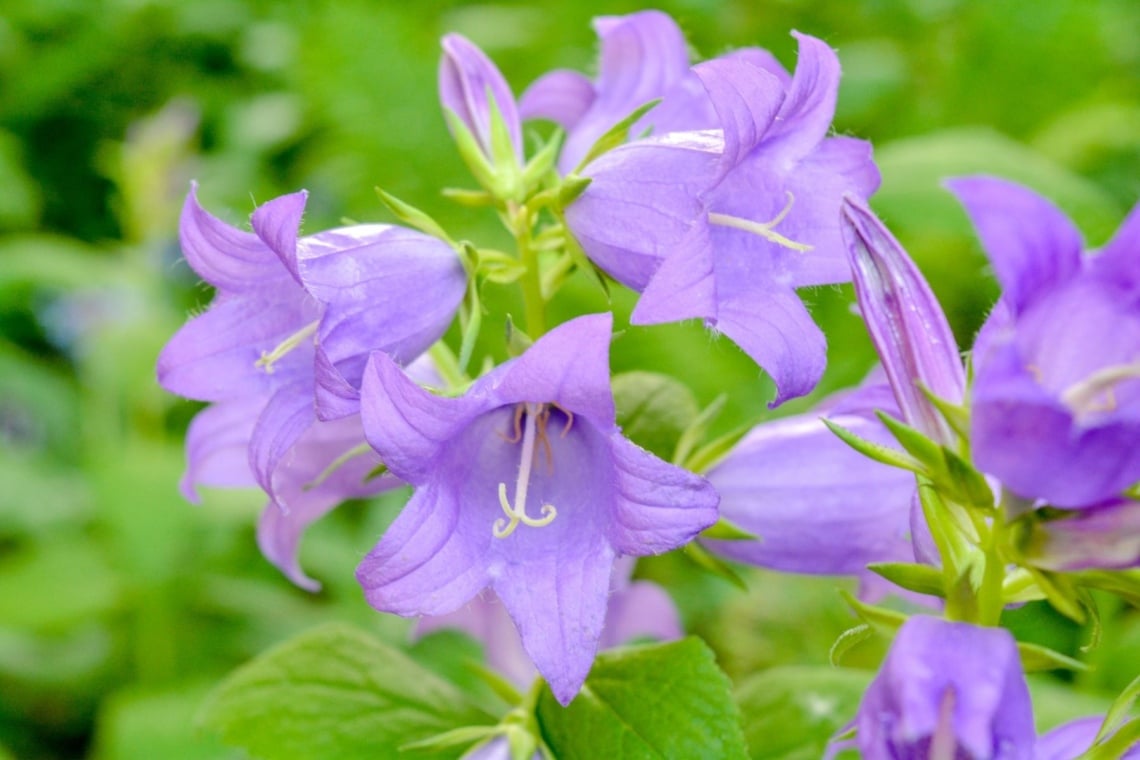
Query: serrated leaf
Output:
(654,702)
(653,410)
(336,692)
(923,579)
(791,713)
(872,450)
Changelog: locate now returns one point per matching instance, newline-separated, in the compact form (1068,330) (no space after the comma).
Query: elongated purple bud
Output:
(906,323)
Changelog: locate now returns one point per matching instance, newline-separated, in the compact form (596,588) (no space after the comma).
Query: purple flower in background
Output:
(1056,396)
(947,691)
(525,485)
(731,203)
(1104,536)
(470,86)
(1072,739)
(907,326)
(816,505)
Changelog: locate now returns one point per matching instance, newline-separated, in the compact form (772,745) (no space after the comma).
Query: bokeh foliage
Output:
(120,604)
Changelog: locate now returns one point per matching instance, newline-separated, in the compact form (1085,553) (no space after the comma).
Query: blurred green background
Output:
(120,604)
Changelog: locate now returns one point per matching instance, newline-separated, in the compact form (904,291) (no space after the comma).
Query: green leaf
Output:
(335,692)
(660,701)
(848,640)
(790,713)
(1035,657)
(413,217)
(875,451)
(543,161)
(1121,706)
(698,429)
(653,410)
(924,579)
(880,618)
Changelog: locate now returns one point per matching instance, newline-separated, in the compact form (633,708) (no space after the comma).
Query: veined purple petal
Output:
(220,354)
(313,482)
(640,610)
(809,105)
(230,259)
(216,444)
(658,506)
(907,326)
(644,199)
(816,505)
(643,55)
(1030,243)
(277,223)
(287,416)
(468,84)
(1118,261)
(946,687)
(746,100)
(561,96)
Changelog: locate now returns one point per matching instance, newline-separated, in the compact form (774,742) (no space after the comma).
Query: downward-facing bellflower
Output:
(1055,406)
(947,691)
(731,202)
(524,485)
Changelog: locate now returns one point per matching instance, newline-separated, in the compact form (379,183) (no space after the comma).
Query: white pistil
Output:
(943,744)
(517,513)
(765,230)
(1082,396)
(268,358)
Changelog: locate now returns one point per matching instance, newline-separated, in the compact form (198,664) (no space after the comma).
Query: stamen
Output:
(336,464)
(268,358)
(765,230)
(944,744)
(1084,396)
(569,419)
(517,436)
(517,513)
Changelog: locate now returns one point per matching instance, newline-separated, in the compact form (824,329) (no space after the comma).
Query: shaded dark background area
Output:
(121,604)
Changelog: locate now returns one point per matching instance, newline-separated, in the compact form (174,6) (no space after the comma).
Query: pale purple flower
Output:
(1102,536)
(470,85)
(907,326)
(816,505)
(731,204)
(1055,406)
(524,485)
(947,691)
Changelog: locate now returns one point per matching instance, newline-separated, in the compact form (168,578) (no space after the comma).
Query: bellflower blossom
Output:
(731,203)
(815,505)
(1056,397)
(252,353)
(947,691)
(525,485)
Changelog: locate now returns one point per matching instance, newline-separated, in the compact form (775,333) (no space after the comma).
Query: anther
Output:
(269,358)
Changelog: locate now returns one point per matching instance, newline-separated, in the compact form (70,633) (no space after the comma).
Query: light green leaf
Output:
(655,702)
(335,692)
(790,713)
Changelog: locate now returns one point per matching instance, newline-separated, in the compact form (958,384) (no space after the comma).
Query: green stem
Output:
(534,305)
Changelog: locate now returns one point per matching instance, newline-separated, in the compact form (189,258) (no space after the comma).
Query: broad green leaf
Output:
(143,724)
(336,692)
(660,701)
(653,410)
(790,713)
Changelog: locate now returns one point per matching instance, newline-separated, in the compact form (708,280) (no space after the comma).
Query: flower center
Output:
(766,230)
(269,358)
(532,433)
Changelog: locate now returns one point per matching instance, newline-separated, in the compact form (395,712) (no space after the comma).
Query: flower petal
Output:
(746,100)
(773,327)
(815,504)
(468,83)
(684,286)
(1073,739)
(570,366)
(561,96)
(809,106)
(425,564)
(658,506)
(1030,243)
(558,603)
(1106,536)
(288,416)
(1118,261)
(278,222)
(230,259)
(216,447)
(640,610)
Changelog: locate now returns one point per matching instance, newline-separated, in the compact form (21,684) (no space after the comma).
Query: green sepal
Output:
(915,442)
(923,579)
(964,483)
(1114,747)
(1123,583)
(616,135)
(1120,708)
(726,530)
(522,742)
(957,416)
(469,198)
(847,641)
(1035,657)
(571,188)
(698,429)
(706,560)
(543,161)
(474,320)
(413,217)
(378,471)
(508,174)
(1060,592)
(1019,586)
(710,454)
(472,153)
(457,737)
(336,464)
(496,682)
(516,338)
(875,451)
(880,618)
(498,267)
